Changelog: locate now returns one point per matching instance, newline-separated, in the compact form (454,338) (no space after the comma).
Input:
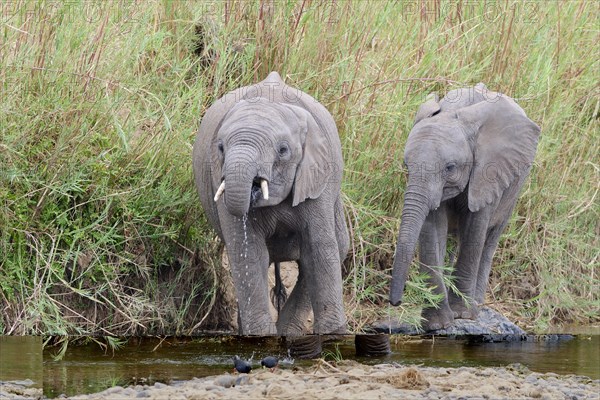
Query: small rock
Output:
(356,371)
(114,389)
(433,396)
(25,382)
(225,381)
(531,379)
(159,385)
(212,387)
(242,380)
(143,393)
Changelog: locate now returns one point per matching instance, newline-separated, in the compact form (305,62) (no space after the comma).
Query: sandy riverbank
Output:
(351,380)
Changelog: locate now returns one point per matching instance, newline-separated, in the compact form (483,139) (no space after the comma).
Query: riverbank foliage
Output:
(101,231)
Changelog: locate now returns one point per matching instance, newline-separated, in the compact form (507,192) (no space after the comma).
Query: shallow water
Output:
(21,358)
(88,369)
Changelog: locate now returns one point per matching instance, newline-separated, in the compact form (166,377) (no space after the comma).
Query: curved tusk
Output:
(264,187)
(220,191)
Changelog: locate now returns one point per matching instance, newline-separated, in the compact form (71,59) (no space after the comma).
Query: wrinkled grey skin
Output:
(275,132)
(467,158)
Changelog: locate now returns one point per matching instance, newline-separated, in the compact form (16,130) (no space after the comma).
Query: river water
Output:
(88,369)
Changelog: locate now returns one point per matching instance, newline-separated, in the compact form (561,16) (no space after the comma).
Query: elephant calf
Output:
(268,168)
(467,158)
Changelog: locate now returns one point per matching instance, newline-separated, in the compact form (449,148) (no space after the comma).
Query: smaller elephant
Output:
(268,169)
(467,156)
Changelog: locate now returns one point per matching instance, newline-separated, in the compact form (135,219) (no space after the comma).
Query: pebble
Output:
(242,380)
(531,379)
(225,381)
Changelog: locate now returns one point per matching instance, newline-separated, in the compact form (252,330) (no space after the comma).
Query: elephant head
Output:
(263,151)
(478,147)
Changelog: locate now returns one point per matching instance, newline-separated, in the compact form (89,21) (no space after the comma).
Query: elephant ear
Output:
(216,163)
(313,171)
(429,108)
(505,146)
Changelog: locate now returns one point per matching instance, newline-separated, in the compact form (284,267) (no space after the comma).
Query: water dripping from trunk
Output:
(245,241)
(245,249)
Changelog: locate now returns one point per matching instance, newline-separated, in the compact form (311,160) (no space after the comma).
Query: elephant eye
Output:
(220,146)
(283,149)
(450,167)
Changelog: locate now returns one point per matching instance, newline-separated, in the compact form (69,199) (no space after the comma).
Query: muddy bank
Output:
(351,380)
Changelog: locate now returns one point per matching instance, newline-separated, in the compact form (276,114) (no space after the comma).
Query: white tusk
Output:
(220,191)
(264,187)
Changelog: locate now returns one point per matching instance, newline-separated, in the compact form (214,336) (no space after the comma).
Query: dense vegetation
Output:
(101,231)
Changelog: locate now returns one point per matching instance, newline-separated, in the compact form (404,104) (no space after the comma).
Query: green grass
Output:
(101,231)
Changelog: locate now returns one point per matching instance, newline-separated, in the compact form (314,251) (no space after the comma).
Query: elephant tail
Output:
(278,293)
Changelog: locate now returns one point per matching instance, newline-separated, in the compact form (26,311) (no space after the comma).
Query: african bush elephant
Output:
(268,168)
(467,158)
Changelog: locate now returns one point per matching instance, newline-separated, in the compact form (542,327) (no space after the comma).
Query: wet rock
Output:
(489,322)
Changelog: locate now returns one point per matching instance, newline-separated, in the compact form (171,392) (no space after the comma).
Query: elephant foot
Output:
(326,330)
(437,318)
(461,310)
(292,330)
(263,327)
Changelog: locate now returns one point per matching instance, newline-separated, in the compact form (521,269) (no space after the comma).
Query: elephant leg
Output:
(487,256)
(249,261)
(432,248)
(341,230)
(320,254)
(502,214)
(472,236)
(293,316)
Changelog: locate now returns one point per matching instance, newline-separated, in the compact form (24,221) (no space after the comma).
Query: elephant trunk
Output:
(240,171)
(414,213)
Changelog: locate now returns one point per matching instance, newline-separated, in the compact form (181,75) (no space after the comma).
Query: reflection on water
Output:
(87,369)
(579,356)
(21,359)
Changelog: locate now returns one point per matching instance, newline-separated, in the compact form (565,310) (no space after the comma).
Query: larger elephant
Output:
(467,156)
(268,168)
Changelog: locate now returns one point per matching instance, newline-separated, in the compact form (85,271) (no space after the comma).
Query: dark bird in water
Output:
(270,362)
(241,366)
